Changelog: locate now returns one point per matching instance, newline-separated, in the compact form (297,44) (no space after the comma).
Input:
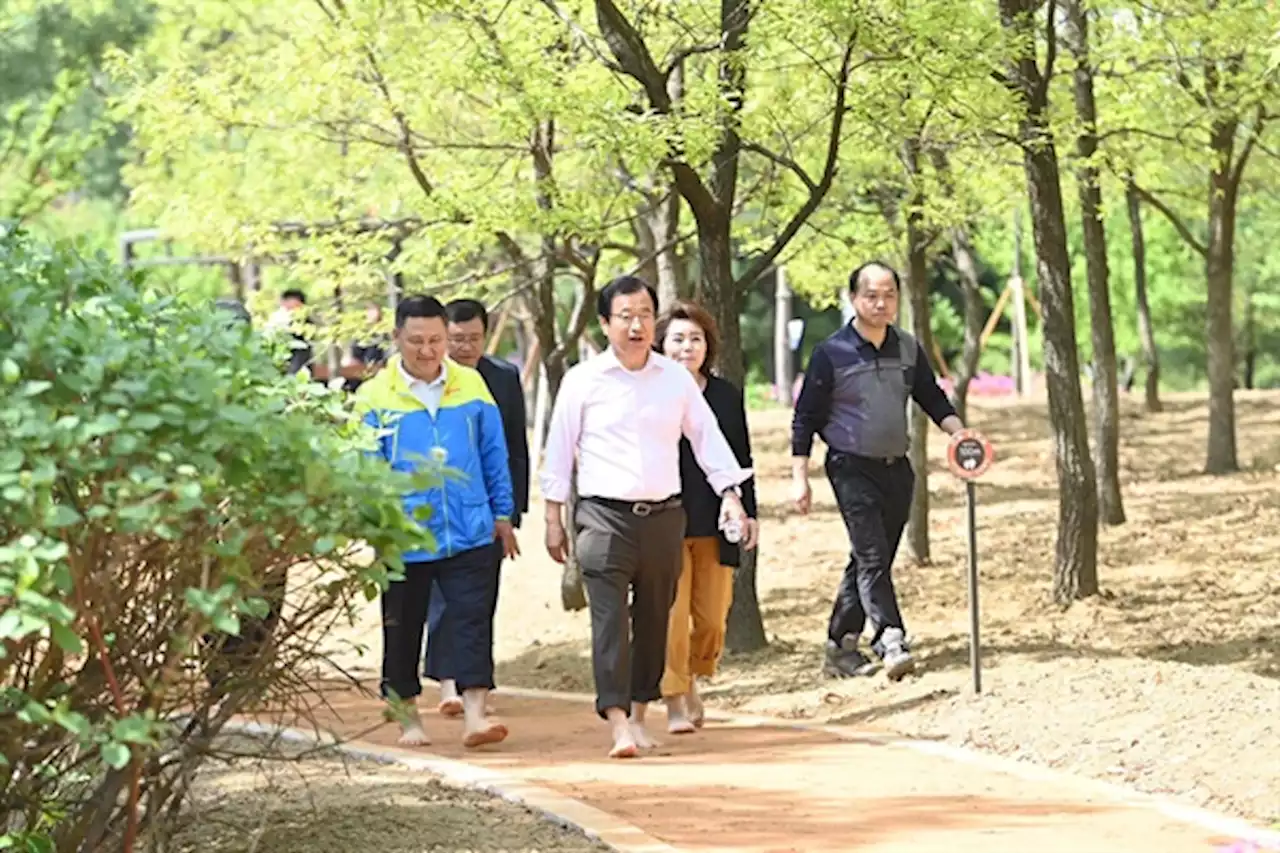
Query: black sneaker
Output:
(845,661)
(898,662)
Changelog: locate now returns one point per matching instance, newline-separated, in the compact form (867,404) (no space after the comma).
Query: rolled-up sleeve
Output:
(710,448)
(556,477)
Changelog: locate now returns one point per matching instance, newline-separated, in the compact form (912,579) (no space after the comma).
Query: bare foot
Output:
(489,732)
(678,722)
(697,712)
(624,744)
(412,733)
(450,707)
(642,737)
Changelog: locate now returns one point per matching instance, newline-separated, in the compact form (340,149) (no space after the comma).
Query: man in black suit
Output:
(468,330)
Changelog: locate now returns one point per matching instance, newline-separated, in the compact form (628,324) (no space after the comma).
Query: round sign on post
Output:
(969,454)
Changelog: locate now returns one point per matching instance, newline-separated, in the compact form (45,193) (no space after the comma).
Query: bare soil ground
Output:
(1168,682)
(297,802)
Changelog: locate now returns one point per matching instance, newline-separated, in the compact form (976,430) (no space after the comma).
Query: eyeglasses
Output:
(466,340)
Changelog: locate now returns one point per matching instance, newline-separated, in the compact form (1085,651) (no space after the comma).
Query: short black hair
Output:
(466,310)
(855,277)
(421,306)
(294,293)
(623,285)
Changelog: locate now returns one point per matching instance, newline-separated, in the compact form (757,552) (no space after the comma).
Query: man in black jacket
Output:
(855,395)
(468,328)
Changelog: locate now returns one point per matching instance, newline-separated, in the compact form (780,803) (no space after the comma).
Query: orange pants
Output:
(695,636)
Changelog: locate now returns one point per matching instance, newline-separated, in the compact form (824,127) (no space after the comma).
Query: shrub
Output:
(159,480)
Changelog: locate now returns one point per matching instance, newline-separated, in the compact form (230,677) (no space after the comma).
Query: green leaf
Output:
(36,387)
(61,515)
(9,371)
(66,639)
(116,755)
(145,421)
(135,729)
(324,545)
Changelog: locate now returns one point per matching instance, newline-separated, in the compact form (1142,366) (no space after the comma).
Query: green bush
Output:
(159,482)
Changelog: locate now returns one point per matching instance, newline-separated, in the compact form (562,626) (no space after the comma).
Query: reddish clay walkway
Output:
(770,789)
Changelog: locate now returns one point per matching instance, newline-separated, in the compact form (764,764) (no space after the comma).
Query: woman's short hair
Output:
(685,309)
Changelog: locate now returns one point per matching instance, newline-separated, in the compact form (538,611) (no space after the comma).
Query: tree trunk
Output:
(664,224)
(745,628)
(1249,340)
(1219,272)
(974,318)
(1106,395)
(917,281)
(1076,554)
(1146,331)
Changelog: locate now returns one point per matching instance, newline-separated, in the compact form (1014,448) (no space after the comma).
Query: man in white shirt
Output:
(622,414)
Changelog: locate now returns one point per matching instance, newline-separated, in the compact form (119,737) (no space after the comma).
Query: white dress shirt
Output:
(428,393)
(624,427)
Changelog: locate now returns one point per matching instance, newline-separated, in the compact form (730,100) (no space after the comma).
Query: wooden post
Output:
(781,339)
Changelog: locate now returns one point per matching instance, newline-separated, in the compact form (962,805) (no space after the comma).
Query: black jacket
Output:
(503,379)
(701,505)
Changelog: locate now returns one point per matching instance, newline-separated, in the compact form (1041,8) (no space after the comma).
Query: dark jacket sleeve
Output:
(733,423)
(926,392)
(510,399)
(813,407)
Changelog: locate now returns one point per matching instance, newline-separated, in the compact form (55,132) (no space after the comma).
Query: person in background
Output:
(292,315)
(855,395)
(431,412)
(367,355)
(468,328)
(695,638)
(618,420)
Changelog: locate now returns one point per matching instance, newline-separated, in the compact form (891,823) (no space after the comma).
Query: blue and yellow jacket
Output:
(465,436)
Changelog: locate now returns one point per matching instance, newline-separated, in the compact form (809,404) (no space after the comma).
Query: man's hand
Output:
(751,534)
(731,509)
(801,494)
(504,531)
(557,541)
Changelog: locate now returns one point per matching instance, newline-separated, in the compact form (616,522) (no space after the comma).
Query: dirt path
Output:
(773,788)
(1168,683)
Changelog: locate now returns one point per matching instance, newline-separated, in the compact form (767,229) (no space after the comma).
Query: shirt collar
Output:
(890,334)
(411,380)
(608,360)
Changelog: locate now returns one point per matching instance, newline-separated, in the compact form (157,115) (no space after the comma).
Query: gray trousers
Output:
(630,566)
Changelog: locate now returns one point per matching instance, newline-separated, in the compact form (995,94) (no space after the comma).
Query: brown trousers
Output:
(695,633)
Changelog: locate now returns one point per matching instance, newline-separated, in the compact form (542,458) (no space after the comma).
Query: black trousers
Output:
(630,567)
(468,582)
(874,497)
(440,662)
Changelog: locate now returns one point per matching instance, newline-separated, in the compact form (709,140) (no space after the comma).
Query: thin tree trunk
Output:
(1249,340)
(1146,331)
(1106,395)
(1219,272)
(974,318)
(917,281)
(1076,553)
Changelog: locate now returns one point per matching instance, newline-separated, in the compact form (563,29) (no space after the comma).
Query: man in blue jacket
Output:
(433,412)
(468,327)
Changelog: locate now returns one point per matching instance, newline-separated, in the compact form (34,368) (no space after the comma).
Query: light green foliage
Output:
(158,480)
(54,133)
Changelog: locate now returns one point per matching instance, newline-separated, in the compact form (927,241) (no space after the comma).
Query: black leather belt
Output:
(877,460)
(640,509)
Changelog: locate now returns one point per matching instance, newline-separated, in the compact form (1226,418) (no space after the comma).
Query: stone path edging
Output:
(564,811)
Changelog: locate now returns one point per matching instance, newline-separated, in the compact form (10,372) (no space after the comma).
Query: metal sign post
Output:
(969,455)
